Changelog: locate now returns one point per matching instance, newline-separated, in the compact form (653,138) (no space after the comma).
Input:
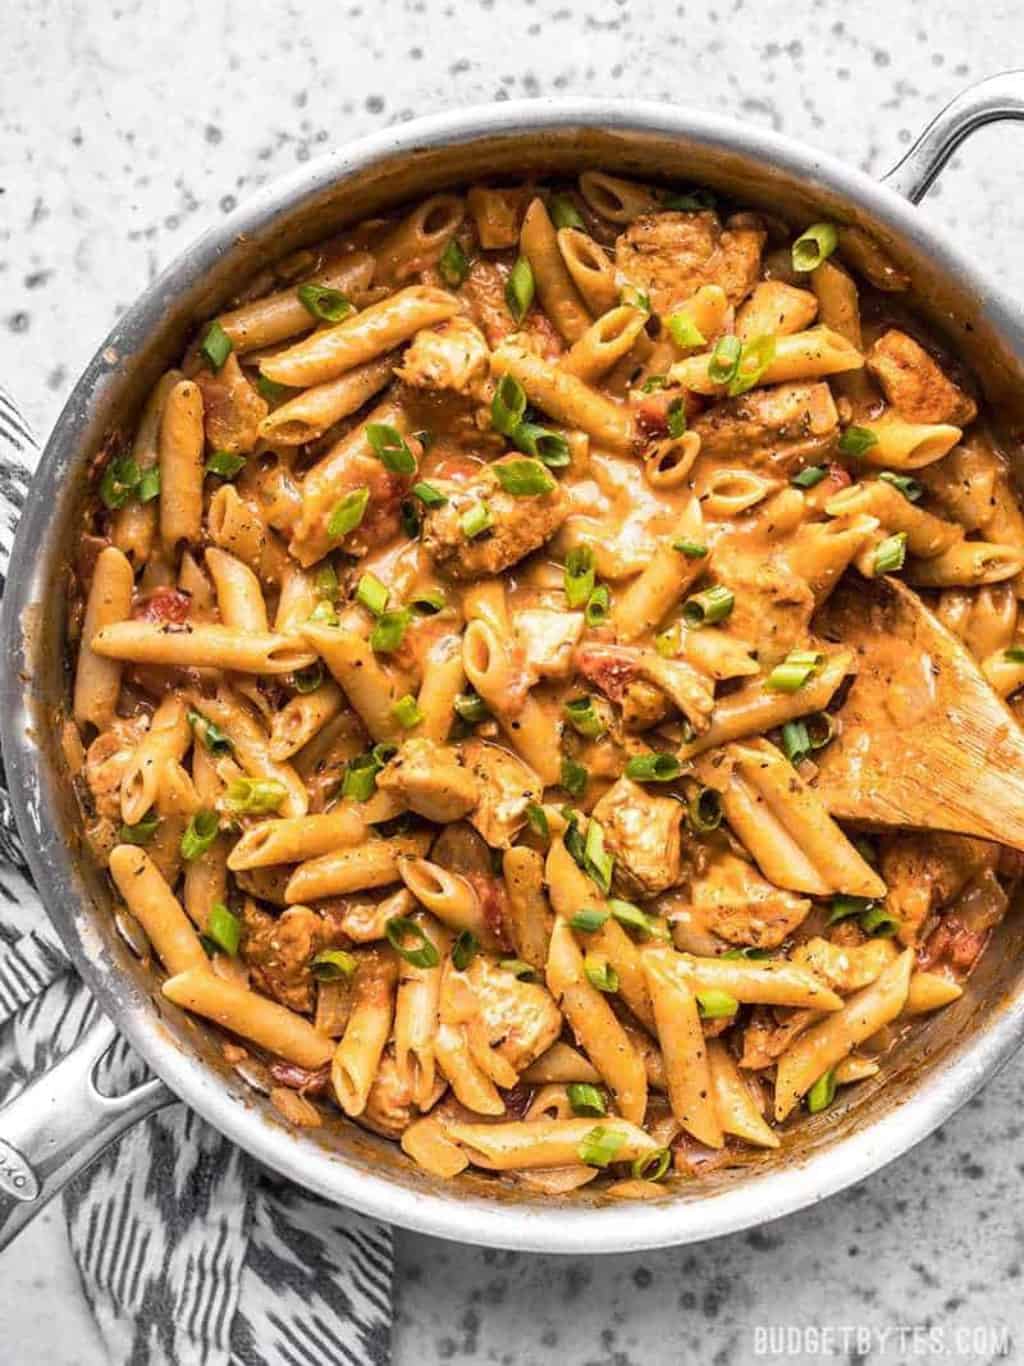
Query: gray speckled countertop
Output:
(126,127)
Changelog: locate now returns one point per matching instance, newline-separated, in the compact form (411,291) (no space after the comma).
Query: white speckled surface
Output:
(125,129)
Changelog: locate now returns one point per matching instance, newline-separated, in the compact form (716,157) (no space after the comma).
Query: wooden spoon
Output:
(925,742)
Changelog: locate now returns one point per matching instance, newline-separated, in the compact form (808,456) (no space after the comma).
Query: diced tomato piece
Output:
(609,667)
(163,605)
(490,892)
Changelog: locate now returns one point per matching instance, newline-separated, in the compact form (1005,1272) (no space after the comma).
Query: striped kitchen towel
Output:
(189,1251)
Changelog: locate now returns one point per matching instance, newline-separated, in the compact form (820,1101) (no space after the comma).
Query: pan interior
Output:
(937,1066)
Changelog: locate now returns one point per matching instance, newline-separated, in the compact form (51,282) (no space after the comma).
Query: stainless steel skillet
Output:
(61,1122)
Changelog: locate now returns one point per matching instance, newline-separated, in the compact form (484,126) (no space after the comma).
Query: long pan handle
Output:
(59,1124)
(990,101)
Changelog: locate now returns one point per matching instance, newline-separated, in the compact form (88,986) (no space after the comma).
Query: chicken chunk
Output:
(671,255)
(452,356)
(925,871)
(548,639)
(105,762)
(279,950)
(232,409)
(522,1019)
(732,900)
(846,967)
(769,428)
(914,383)
(484,289)
(390,1108)
(643,833)
(518,526)
(431,780)
(507,786)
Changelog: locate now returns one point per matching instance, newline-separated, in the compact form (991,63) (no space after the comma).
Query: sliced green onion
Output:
(388,445)
(582,716)
(213,738)
(348,514)
(653,383)
(585,1099)
(120,480)
(685,331)
(634,297)
(857,440)
(325,582)
(537,819)
(693,550)
(360,781)
(573,777)
(471,708)
(572,838)
(709,607)
(372,594)
(691,201)
(551,448)
(755,357)
(807,478)
(216,346)
(597,862)
(653,768)
(508,406)
(600,974)
(148,486)
(756,954)
(910,488)
(563,212)
(399,930)
(428,495)
(891,553)
(724,361)
(821,729)
(814,246)
(523,478)
(453,265)
(651,1166)
(200,833)
(309,679)
(524,971)
(843,907)
(599,605)
(578,575)
(675,418)
(428,602)
(704,810)
(271,390)
(598,1148)
(224,464)
(254,796)
(223,929)
(589,920)
(389,632)
(716,1005)
(410,518)
(794,671)
(464,949)
(140,833)
(324,614)
(879,922)
(475,521)
(1014,654)
(334,965)
(323,303)
(406,712)
(520,289)
(629,916)
(796,743)
(822,1093)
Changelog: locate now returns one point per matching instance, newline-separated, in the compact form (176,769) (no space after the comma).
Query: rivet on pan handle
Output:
(60,1124)
(998,97)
